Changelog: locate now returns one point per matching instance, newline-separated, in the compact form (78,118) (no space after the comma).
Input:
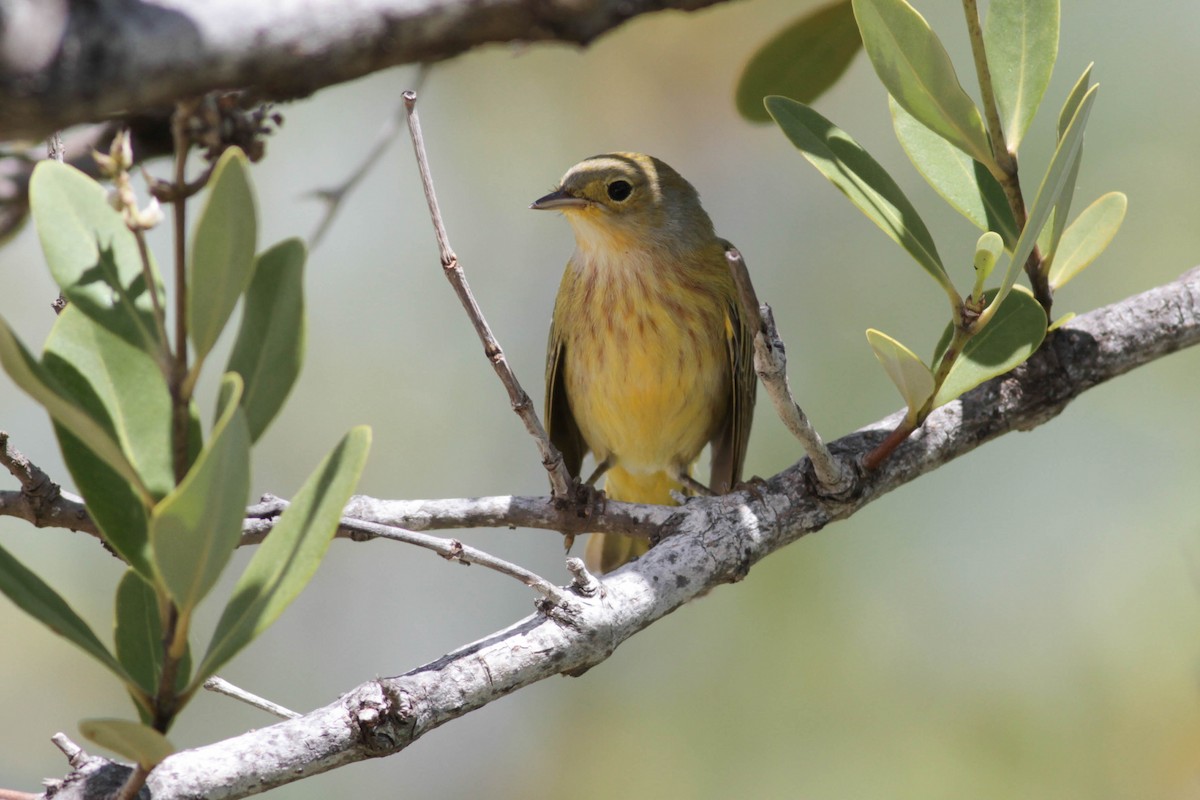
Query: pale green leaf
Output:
(92,255)
(132,740)
(801,61)
(1087,237)
(287,559)
(223,247)
(962,181)
(1014,333)
(29,374)
(1021,41)
(1047,196)
(35,597)
(196,528)
(269,348)
(1051,234)
(907,371)
(117,382)
(852,170)
(916,70)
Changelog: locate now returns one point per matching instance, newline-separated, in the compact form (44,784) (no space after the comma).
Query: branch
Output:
(78,62)
(707,542)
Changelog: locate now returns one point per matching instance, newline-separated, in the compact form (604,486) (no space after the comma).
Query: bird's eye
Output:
(619,190)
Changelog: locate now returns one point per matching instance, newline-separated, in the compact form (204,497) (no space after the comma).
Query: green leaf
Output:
(801,61)
(1087,238)
(29,374)
(1012,336)
(286,561)
(916,70)
(222,252)
(93,257)
(35,597)
(129,739)
(196,528)
(987,253)
(121,384)
(1021,41)
(907,371)
(269,348)
(860,177)
(1051,189)
(962,181)
(1051,234)
(139,641)
(138,635)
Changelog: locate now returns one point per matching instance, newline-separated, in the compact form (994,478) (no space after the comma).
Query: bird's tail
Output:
(607,551)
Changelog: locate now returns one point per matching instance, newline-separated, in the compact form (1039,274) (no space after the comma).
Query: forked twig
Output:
(770,363)
(560,479)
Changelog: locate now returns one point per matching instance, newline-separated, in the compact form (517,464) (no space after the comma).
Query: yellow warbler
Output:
(649,358)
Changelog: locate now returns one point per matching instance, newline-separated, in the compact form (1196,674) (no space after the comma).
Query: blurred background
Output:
(1023,623)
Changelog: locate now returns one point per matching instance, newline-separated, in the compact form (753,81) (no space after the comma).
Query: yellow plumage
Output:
(648,358)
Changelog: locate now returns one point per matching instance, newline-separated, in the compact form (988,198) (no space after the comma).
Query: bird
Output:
(649,357)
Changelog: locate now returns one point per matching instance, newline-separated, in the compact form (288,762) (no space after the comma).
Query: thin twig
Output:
(454,550)
(560,479)
(76,755)
(222,686)
(334,196)
(770,363)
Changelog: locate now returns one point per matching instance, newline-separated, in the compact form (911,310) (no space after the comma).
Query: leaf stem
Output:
(180,396)
(1006,159)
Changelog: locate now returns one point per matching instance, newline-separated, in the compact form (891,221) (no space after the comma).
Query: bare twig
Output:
(454,550)
(560,479)
(76,756)
(770,362)
(333,196)
(222,686)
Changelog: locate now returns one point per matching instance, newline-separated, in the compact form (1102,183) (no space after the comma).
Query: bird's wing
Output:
(729,445)
(560,422)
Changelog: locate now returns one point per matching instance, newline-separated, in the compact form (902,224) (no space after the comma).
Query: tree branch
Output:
(78,62)
(707,542)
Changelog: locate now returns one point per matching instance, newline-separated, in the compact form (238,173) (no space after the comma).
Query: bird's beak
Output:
(558,200)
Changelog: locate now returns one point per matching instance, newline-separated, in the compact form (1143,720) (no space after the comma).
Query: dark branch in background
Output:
(71,62)
(707,542)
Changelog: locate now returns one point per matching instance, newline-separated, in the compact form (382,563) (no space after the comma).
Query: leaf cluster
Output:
(169,497)
(968,155)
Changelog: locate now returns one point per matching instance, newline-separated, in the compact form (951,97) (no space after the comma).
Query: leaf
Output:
(35,597)
(286,561)
(1087,238)
(1050,235)
(1021,41)
(133,740)
(139,640)
(92,255)
(222,252)
(138,635)
(988,249)
(117,382)
(196,528)
(852,170)
(1012,336)
(962,181)
(801,61)
(1048,194)
(916,70)
(269,348)
(907,371)
(29,374)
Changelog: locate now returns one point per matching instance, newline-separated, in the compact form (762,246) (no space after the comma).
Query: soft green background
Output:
(1023,623)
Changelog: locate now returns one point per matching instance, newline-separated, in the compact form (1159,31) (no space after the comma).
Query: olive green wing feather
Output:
(560,422)
(729,445)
